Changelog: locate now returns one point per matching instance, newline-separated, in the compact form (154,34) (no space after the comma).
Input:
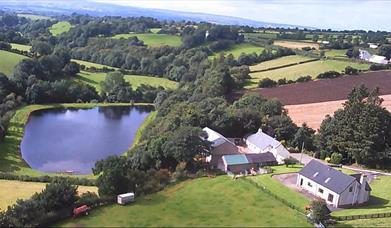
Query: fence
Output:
(364,216)
(267,191)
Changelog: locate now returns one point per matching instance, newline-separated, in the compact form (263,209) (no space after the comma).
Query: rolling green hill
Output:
(135,80)
(311,68)
(21,47)
(59,28)
(154,39)
(282,61)
(8,61)
(238,49)
(220,201)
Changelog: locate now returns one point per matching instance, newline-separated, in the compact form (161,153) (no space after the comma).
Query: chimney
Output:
(260,130)
(363,180)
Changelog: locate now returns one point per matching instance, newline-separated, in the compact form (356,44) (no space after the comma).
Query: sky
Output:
(335,14)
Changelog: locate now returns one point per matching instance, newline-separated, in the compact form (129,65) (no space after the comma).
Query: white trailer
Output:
(126,198)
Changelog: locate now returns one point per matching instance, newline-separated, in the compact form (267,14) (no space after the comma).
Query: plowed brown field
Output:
(314,113)
(327,89)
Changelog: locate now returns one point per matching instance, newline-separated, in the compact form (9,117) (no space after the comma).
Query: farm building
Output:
(261,143)
(220,146)
(373,46)
(243,162)
(336,188)
(365,55)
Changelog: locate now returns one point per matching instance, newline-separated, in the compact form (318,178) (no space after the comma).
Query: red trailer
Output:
(82,210)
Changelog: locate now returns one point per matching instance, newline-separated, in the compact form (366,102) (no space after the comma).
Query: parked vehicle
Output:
(126,198)
(82,210)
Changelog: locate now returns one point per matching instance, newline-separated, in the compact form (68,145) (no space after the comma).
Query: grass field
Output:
(34,17)
(260,35)
(311,68)
(154,39)
(295,44)
(8,61)
(11,160)
(279,62)
(135,80)
(59,28)
(11,190)
(378,222)
(21,47)
(238,49)
(336,53)
(90,64)
(201,202)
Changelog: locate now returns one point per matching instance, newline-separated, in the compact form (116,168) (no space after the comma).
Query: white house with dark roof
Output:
(261,142)
(336,188)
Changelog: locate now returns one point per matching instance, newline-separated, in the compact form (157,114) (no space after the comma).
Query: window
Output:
(309,184)
(351,189)
(316,174)
(301,182)
(320,190)
(330,198)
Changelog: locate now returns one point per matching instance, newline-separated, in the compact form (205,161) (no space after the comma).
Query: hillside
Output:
(154,39)
(201,202)
(9,61)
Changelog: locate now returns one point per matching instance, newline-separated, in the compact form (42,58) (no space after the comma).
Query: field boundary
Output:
(362,216)
(286,65)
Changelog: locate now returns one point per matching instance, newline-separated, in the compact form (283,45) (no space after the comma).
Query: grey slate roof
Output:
(261,158)
(262,140)
(338,181)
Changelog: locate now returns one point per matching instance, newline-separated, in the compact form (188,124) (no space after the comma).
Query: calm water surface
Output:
(58,140)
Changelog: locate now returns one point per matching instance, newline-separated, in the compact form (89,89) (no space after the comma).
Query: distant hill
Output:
(51,8)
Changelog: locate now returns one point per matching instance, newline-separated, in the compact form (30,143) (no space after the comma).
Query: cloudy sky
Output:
(336,14)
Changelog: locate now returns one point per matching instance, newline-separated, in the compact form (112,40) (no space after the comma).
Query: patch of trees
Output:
(375,67)
(361,131)
(269,83)
(265,55)
(328,74)
(299,35)
(54,203)
(385,50)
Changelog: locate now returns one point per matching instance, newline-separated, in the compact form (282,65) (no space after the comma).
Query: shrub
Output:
(282,81)
(329,74)
(375,67)
(320,213)
(336,158)
(267,83)
(350,70)
(290,161)
(304,78)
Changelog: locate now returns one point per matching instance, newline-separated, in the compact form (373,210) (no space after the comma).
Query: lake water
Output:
(58,140)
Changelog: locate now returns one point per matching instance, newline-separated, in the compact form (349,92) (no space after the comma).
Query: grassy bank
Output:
(8,61)
(59,28)
(237,49)
(10,156)
(154,39)
(141,129)
(282,61)
(10,191)
(20,47)
(135,81)
(209,202)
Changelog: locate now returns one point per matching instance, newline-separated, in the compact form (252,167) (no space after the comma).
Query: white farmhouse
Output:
(365,55)
(220,146)
(262,143)
(373,46)
(336,188)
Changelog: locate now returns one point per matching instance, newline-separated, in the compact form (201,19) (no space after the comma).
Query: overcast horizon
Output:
(345,14)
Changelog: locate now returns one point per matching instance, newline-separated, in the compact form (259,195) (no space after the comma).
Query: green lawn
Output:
(21,47)
(311,68)
(281,190)
(90,64)
(11,190)
(237,49)
(10,157)
(135,80)
(209,202)
(8,61)
(336,53)
(260,35)
(379,202)
(60,27)
(282,61)
(378,222)
(154,39)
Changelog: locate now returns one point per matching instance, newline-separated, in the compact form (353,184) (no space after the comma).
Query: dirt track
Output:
(314,113)
(327,89)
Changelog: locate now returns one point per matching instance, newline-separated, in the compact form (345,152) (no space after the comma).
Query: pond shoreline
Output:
(11,160)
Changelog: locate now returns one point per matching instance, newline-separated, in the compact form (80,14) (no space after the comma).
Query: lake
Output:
(60,140)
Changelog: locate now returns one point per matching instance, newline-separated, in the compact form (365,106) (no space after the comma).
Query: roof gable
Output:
(215,138)
(327,176)
(262,140)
